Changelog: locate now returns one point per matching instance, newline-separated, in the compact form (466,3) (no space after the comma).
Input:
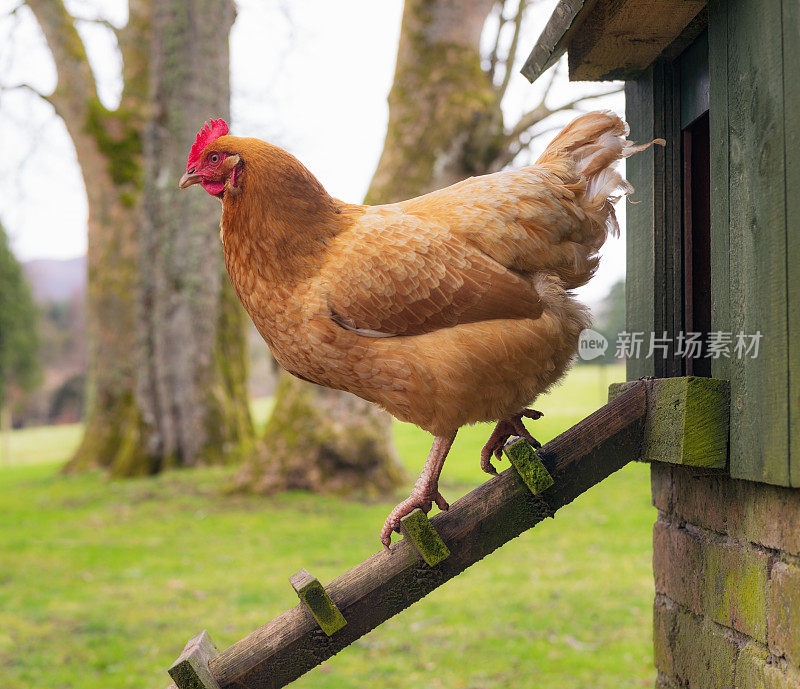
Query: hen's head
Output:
(209,163)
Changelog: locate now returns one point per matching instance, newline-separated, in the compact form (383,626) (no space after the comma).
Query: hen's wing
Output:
(529,220)
(398,274)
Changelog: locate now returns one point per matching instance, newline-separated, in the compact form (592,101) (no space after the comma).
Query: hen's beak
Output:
(188,179)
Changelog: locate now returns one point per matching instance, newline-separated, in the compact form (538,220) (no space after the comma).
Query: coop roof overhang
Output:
(609,39)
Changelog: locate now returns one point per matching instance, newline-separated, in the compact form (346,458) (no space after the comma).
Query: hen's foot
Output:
(504,429)
(425,491)
(423,501)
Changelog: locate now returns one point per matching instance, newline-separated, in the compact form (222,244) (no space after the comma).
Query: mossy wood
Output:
(190,670)
(687,421)
(528,465)
(318,602)
(480,522)
(609,40)
(419,530)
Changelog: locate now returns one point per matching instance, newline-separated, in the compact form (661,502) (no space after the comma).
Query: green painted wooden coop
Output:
(713,274)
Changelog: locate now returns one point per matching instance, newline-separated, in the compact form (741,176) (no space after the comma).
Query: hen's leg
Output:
(504,429)
(425,491)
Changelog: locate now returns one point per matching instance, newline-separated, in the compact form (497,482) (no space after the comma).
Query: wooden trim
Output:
(791,110)
(758,240)
(639,236)
(610,39)
(720,172)
(477,524)
(667,218)
(687,421)
(552,43)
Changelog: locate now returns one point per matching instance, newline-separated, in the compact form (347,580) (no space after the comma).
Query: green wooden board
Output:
(318,602)
(791,109)
(720,220)
(757,192)
(528,465)
(639,286)
(421,533)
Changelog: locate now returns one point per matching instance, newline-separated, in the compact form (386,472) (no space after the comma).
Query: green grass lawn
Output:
(102,582)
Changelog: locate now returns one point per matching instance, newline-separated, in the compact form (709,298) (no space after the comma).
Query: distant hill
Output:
(56,280)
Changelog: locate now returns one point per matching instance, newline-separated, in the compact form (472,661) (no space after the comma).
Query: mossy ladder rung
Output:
(525,460)
(190,670)
(317,601)
(419,530)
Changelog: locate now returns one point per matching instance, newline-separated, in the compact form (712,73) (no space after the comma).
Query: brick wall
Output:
(726,560)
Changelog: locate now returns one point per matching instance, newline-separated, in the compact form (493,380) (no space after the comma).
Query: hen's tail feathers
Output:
(594,143)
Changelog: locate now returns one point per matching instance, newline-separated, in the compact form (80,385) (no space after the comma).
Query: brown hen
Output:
(446,309)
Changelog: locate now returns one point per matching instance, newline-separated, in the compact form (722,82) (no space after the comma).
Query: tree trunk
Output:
(166,340)
(444,125)
(191,384)
(108,146)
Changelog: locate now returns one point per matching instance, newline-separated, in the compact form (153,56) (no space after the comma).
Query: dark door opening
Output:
(696,157)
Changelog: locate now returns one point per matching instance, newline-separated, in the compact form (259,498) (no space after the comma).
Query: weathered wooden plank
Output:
(759,386)
(552,41)
(419,530)
(720,219)
(190,670)
(687,421)
(619,39)
(669,223)
(640,250)
(694,81)
(474,526)
(791,110)
(317,602)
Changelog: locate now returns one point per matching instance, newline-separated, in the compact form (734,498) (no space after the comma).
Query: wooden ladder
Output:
(432,552)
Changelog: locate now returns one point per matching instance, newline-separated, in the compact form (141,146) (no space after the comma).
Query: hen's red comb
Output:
(210,131)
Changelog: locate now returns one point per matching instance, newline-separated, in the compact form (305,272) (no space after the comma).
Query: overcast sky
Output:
(309,75)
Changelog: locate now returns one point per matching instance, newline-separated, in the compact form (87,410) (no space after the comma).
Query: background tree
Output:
(19,343)
(446,123)
(166,353)
(610,319)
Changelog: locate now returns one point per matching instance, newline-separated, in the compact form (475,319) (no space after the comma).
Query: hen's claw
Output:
(424,502)
(504,429)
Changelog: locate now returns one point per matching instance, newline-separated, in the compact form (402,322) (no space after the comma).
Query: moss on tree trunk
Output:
(167,352)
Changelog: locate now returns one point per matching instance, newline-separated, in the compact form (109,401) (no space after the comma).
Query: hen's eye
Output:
(213,158)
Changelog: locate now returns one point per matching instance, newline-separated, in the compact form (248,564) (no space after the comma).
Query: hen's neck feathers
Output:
(282,218)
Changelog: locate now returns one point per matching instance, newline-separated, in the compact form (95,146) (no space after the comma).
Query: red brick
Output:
(770,516)
(736,578)
(678,565)
(783,611)
(661,486)
(755,669)
(707,500)
(692,651)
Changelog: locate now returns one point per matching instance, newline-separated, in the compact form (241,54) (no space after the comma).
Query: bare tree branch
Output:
(542,111)
(29,88)
(76,86)
(100,21)
(512,50)
(494,56)
(16,9)
(520,136)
